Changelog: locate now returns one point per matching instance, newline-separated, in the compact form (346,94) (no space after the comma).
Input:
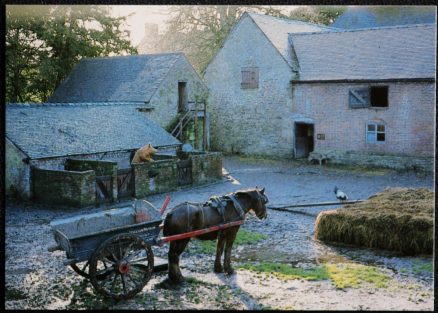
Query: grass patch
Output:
(419,268)
(285,272)
(14,294)
(244,237)
(346,275)
(397,219)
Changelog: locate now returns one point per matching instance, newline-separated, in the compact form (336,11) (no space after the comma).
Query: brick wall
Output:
(68,188)
(409,118)
(250,121)
(155,177)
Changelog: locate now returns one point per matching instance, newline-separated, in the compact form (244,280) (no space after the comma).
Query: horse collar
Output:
(237,206)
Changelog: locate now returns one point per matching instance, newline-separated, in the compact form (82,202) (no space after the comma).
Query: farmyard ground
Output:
(373,280)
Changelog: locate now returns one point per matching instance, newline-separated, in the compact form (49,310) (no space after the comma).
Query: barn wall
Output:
(17,172)
(250,121)
(165,99)
(409,118)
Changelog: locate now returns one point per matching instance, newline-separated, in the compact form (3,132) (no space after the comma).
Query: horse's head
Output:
(259,200)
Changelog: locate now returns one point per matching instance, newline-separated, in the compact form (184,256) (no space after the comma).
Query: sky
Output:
(141,14)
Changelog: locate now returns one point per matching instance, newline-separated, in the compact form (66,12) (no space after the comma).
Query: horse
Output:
(187,217)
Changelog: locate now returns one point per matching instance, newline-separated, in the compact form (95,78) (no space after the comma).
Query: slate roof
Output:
(62,129)
(378,16)
(374,53)
(277,29)
(133,78)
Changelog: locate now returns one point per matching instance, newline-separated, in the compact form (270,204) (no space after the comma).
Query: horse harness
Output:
(220,203)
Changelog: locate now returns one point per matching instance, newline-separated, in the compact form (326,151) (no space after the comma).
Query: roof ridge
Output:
(133,55)
(69,104)
(291,20)
(340,30)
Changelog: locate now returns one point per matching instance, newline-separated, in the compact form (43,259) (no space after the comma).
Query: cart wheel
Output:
(121,266)
(81,269)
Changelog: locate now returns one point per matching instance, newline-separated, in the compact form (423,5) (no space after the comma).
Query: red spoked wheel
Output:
(121,266)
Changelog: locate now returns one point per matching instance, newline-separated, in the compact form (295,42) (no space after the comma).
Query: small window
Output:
(379,96)
(375,133)
(250,78)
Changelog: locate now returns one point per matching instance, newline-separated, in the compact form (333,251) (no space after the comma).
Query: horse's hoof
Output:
(230,271)
(218,269)
(171,284)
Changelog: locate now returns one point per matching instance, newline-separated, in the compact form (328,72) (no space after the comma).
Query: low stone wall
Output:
(155,177)
(396,162)
(206,167)
(101,168)
(68,188)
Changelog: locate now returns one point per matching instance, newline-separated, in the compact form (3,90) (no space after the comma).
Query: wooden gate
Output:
(125,183)
(184,172)
(104,192)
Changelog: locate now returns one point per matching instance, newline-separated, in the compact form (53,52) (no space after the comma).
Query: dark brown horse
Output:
(186,217)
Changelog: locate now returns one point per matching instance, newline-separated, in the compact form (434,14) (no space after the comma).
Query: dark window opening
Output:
(379,96)
(250,78)
(182,97)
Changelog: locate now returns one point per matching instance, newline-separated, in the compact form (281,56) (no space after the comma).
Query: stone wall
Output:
(409,118)
(250,121)
(68,188)
(206,167)
(164,102)
(396,162)
(101,168)
(17,172)
(155,177)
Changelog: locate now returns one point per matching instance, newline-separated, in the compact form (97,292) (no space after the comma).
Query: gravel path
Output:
(36,279)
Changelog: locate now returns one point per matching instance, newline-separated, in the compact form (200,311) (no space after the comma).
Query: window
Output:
(379,96)
(374,96)
(250,78)
(375,133)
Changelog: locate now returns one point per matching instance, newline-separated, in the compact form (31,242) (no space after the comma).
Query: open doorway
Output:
(182,97)
(304,141)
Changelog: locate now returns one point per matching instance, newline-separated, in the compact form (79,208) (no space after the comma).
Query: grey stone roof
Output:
(374,53)
(277,29)
(378,16)
(62,129)
(133,78)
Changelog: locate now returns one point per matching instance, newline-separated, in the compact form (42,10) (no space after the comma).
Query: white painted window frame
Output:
(374,132)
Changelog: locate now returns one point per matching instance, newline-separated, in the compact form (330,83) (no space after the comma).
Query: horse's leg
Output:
(229,240)
(219,250)
(175,250)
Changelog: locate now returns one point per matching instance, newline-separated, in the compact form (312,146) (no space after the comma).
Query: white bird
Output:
(340,195)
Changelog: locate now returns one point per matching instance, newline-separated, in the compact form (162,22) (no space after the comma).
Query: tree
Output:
(322,15)
(44,43)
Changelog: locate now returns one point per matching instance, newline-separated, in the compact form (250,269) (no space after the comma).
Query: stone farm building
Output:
(79,154)
(46,136)
(287,88)
(162,85)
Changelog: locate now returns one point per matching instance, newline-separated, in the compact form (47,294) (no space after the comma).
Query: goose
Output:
(340,195)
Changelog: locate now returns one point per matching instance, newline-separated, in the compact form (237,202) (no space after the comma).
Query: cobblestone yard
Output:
(372,280)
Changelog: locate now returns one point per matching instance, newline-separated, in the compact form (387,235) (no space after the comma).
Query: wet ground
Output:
(37,279)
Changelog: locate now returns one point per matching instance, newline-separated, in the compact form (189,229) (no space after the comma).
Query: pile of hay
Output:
(397,219)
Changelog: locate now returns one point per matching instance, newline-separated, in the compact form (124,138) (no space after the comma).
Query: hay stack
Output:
(397,219)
